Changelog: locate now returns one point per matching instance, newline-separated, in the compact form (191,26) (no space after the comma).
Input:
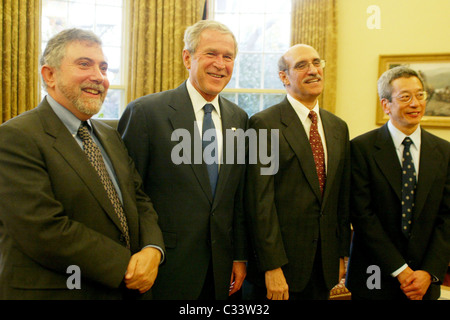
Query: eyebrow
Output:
(227,53)
(90,60)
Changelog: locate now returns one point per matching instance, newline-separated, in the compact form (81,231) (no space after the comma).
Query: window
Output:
(262,28)
(106,18)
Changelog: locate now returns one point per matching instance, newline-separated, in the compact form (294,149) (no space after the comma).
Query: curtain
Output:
(314,23)
(156,43)
(19,55)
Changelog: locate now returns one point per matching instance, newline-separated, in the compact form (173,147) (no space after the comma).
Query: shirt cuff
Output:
(399,270)
(161,250)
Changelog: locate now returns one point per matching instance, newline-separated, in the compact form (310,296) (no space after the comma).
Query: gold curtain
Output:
(19,54)
(156,43)
(314,23)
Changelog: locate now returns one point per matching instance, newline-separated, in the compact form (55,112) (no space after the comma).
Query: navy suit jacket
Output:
(288,215)
(197,228)
(376,213)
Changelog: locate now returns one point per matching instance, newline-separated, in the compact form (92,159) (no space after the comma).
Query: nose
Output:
(311,68)
(414,101)
(98,75)
(219,62)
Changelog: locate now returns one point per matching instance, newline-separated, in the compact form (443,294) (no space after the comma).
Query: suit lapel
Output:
(68,148)
(387,160)
(296,137)
(429,160)
(122,173)
(182,117)
(229,121)
(333,150)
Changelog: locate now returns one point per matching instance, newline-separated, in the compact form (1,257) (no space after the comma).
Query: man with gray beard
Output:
(74,221)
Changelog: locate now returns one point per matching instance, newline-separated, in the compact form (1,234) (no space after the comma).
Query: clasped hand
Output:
(414,284)
(143,269)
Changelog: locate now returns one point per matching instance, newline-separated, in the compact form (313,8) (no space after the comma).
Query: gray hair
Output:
(56,46)
(385,81)
(192,34)
(282,64)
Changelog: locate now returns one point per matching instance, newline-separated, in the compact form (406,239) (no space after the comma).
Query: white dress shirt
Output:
(198,102)
(303,112)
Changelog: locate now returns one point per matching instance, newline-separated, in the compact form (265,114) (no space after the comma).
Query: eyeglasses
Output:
(406,97)
(303,65)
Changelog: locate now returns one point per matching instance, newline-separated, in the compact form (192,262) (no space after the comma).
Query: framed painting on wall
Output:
(435,72)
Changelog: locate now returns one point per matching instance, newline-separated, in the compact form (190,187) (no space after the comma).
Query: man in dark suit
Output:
(401,244)
(299,222)
(201,218)
(60,236)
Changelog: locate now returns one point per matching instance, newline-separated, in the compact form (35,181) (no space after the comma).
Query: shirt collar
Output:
(198,102)
(398,136)
(301,110)
(71,122)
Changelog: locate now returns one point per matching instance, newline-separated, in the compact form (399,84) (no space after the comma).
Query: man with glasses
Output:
(400,201)
(299,216)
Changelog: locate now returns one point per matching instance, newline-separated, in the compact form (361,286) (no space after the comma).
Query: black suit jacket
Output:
(197,228)
(376,213)
(54,211)
(287,213)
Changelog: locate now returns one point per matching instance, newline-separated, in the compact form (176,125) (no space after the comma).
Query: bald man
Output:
(299,216)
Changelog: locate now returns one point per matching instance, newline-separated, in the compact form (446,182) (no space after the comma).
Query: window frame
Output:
(211,5)
(126,7)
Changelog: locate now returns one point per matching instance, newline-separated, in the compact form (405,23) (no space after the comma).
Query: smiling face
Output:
(80,84)
(211,65)
(303,85)
(405,116)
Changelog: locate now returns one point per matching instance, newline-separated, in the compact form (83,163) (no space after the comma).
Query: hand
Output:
(404,274)
(416,284)
(277,287)
(237,276)
(143,269)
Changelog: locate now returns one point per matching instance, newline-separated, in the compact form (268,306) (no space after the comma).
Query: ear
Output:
(187,59)
(385,104)
(283,77)
(48,74)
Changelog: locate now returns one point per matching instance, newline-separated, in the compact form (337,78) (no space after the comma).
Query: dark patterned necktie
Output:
(408,187)
(213,168)
(317,150)
(95,157)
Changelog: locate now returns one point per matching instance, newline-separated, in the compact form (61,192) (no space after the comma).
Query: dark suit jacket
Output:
(197,229)
(288,216)
(376,213)
(54,212)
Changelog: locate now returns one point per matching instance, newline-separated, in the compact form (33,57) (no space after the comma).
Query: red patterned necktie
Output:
(95,157)
(317,150)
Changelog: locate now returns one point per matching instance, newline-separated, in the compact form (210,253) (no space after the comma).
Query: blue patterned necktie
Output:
(95,157)
(212,163)
(408,187)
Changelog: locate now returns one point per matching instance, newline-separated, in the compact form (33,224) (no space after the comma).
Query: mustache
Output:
(99,87)
(315,77)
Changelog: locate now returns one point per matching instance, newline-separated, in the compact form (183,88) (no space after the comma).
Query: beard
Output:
(86,105)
